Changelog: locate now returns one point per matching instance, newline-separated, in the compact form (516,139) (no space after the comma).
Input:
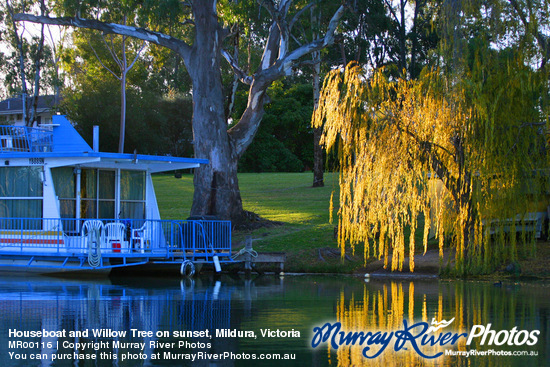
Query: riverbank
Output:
(430,264)
(299,226)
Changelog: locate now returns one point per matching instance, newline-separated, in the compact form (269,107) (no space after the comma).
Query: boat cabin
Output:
(66,206)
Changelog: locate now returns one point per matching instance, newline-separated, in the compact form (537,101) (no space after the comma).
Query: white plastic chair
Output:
(114,234)
(141,236)
(91,225)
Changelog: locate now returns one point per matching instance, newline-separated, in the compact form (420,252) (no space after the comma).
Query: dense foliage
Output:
(284,142)
(157,124)
(158,118)
(457,150)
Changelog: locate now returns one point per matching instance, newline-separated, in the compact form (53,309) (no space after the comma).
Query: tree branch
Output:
(392,10)
(531,124)
(154,37)
(316,45)
(284,29)
(269,6)
(187,22)
(246,79)
(542,40)
(19,40)
(298,15)
(271,69)
(271,47)
(101,62)
(296,40)
(111,50)
(279,33)
(137,55)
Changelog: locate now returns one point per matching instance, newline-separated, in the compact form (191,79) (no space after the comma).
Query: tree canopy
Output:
(203,49)
(29,60)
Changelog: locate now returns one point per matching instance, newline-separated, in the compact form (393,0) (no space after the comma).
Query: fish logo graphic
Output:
(439,325)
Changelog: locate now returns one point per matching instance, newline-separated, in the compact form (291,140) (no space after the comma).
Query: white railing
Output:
(25,139)
(114,238)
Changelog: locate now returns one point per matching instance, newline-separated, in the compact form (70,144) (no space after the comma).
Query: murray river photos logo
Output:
(418,336)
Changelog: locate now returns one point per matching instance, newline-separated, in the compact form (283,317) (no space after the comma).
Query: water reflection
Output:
(383,306)
(84,313)
(163,306)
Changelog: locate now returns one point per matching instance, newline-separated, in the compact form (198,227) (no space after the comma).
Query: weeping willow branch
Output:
(408,151)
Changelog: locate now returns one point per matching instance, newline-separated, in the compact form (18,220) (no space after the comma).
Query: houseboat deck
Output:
(66,245)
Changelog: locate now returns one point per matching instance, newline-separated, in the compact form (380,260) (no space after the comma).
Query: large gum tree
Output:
(216,185)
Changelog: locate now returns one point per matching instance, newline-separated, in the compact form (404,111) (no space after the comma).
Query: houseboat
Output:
(65,206)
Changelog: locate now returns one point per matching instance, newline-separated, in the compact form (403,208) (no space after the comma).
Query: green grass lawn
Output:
(284,197)
(289,198)
(306,235)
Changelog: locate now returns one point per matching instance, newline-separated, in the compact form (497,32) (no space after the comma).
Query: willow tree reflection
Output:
(384,306)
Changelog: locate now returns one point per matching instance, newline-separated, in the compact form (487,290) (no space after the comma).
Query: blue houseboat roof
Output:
(63,141)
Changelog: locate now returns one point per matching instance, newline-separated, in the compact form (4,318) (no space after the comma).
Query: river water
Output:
(270,321)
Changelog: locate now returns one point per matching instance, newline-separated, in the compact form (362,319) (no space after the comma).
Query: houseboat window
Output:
(97,190)
(21,192)
(132,194)
(98,193)
(64,181)
(88,193)
(106,197)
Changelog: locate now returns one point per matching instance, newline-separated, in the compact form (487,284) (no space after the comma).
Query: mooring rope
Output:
(94,252)
(245,250)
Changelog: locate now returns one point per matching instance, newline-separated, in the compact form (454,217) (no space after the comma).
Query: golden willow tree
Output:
(458,157)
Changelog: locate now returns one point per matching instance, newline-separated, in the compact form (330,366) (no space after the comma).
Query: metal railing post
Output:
(28,138)
(21,238)
(59,224)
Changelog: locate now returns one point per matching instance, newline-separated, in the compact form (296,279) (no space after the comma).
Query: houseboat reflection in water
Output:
(62,320)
